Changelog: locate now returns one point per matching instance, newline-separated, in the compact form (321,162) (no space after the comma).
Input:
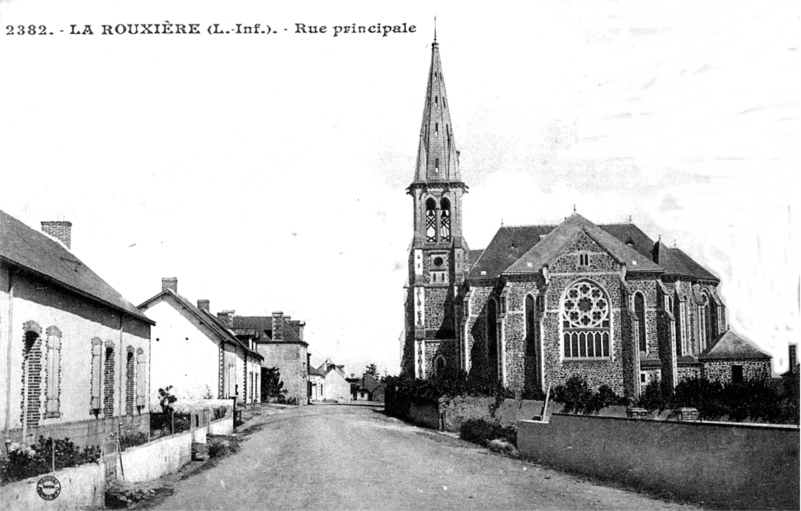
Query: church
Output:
(543,303)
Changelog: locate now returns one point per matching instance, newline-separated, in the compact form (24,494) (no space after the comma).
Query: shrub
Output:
(132,440)
(479,431)
(652,397)
(29,461)
(577,397)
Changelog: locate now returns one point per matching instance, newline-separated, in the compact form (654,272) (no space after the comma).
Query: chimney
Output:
(793,357)
(227,318)
(170,283)
(203,305)
(278,326)
(61,230)
(301,324)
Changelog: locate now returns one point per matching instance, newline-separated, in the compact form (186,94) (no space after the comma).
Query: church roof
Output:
(630,233)
(732,346)
(508,245)
(46,258)
(437,158)
(551,245)
(677,263)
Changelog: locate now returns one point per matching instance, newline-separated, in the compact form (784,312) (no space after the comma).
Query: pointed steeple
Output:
(437,157)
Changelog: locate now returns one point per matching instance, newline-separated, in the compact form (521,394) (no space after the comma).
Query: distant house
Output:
(374,386)
(279,339)
(334,385)
(75,354)
(195,353)
(316,383)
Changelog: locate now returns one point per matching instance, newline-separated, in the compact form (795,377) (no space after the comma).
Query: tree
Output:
(371,369)
(166,399)
(271,385)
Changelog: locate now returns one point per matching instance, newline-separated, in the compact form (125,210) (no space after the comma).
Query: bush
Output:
(754,401)
(577,397)
(652,397)
(479,431)
(132,440)
(29,461)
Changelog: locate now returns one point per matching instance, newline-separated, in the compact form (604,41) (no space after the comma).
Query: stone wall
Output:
(720,464)
(720,370)
(155,459)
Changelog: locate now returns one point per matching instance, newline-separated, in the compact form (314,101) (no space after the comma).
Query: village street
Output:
(354,457)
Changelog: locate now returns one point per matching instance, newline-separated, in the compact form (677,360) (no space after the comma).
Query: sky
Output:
(267,172)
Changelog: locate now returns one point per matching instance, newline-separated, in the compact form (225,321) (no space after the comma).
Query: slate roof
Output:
(207,318)
(46,258)
(550,246)
(513,247)
(264,328)
(732,346)
(625,232)
(508,245)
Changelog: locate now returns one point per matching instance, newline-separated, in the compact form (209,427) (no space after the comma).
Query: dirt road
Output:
(353,457)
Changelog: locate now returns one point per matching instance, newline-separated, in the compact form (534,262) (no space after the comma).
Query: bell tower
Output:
(438,253)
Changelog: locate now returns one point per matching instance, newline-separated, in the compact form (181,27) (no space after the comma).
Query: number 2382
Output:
(26,30)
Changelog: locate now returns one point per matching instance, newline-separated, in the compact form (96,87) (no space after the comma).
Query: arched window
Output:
(141,382)
(445,220)
(705,321)
(53,371)
(439,366)
(531,319)
(492,338)
(585,321)
(130,381)
(31,374)
(108,381)
(431,220)
(639,311)
(680,348)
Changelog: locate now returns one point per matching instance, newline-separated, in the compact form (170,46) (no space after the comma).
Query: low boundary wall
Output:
(156,458)
(224,426)
(82,487)
(744,466)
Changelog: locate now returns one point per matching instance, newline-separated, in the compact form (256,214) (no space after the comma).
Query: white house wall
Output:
(186,355)
(79,320)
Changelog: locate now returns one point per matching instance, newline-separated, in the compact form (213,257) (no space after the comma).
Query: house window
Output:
(108,382)
(97,375)
(585,321)
(141,382)
(53,371)
(130,381)
(639,311)
(736,374)
(31,374)
(431,220)
(445,220)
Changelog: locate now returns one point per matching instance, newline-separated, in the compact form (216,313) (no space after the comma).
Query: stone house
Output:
(75,354)
(279,339)
(334,386)
(545,302)
(195,353)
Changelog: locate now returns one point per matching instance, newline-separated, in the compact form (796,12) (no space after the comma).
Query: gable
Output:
(598,259)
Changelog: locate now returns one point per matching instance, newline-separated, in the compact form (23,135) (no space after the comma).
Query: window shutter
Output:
(53,376)
(97,374)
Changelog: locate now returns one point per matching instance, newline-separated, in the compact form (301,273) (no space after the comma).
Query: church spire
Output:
(437,157)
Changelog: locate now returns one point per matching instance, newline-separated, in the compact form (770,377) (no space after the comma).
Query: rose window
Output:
(585,321)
